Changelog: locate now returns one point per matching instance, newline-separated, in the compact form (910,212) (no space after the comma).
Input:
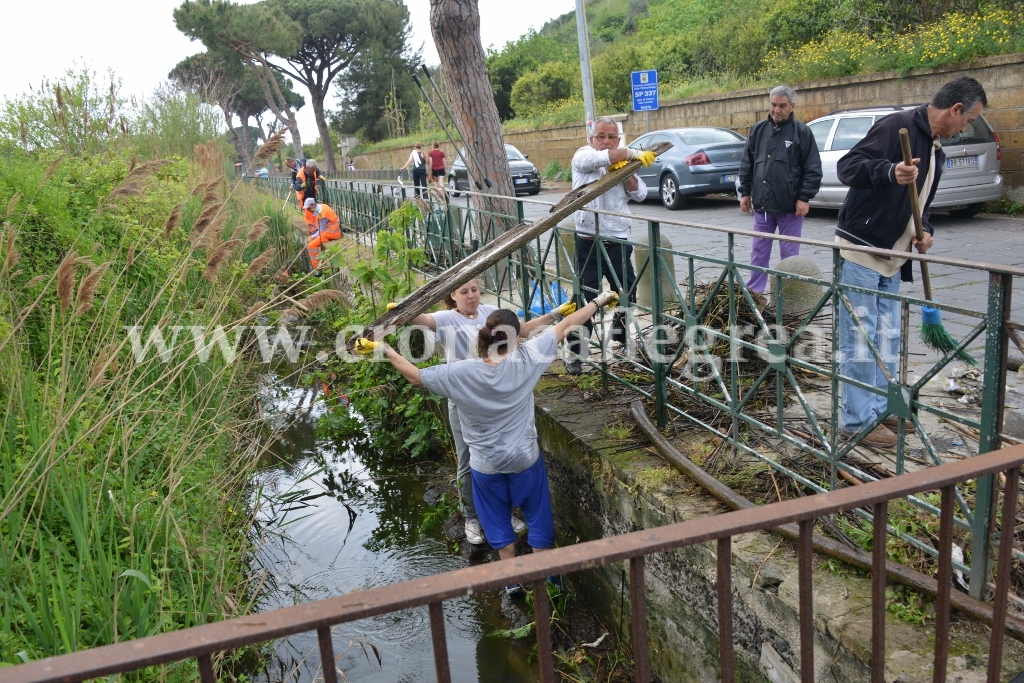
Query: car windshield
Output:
(513,154)
(708,136)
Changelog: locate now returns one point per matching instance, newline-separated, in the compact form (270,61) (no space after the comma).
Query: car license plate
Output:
(729,179)
(962,162)
(522,181)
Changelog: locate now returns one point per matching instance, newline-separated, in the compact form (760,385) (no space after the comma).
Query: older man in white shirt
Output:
(589,164)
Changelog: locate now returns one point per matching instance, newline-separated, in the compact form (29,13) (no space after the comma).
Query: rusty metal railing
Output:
(202,642)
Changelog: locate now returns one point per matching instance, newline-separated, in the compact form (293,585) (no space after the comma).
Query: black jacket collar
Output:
(921,120)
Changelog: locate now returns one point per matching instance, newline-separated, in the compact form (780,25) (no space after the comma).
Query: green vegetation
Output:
(701,47)
(552,169)
(387,413)
(704,46)
(953,38)
(123,475)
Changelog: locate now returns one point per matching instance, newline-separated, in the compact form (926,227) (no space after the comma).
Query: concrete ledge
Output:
(602,486)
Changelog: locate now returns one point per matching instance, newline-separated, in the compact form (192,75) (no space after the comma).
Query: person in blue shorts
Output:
(494,396)
(456,330)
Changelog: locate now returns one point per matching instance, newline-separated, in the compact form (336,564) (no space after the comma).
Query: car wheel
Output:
(670,196)
(453,187)
(969,211)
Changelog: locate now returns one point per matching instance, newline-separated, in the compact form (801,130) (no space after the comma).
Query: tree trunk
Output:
(234,135)
(455,25)
(275,98)
(247,155)
(317,100)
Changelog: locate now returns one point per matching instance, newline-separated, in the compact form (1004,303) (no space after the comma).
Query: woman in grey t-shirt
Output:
(456,331)
(494,395)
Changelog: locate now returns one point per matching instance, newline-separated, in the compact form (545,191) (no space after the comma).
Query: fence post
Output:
(993,397)
(657,319)
(524,272)
(733,365)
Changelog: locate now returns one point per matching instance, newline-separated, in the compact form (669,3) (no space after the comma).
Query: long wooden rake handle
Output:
(915,207)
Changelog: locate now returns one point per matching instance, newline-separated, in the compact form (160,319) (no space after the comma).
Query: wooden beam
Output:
(476,263)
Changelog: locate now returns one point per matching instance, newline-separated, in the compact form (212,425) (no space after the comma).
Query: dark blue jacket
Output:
(780,165)
(877,209)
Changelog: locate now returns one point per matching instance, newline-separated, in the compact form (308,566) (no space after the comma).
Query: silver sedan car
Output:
(701,161)
(971,176)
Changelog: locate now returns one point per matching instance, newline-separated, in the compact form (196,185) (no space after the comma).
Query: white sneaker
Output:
(518,525)
(474,534)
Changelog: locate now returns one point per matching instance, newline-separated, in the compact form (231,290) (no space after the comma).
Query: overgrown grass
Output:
(123,502)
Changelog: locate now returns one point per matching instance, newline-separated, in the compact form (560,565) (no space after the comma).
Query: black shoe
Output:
(574,367)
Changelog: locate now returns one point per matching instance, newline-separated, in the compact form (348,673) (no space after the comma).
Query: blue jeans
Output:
(880,317)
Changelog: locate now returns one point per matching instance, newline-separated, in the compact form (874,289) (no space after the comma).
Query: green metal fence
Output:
(703,314)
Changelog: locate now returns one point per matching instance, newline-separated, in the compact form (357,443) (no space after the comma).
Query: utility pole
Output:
(588,82)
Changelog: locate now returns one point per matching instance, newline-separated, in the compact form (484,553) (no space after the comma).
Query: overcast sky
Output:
(138,40)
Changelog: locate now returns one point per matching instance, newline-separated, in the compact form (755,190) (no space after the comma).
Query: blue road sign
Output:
(645,90)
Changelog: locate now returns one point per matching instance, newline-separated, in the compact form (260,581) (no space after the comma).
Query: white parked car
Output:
(971,176)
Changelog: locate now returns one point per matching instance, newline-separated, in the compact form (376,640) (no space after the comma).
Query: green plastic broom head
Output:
(935,336)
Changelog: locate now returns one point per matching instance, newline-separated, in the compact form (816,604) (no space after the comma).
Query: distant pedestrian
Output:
(437,157)
(779,174)
(590,163)
(494,397)
(877,213)
(419,169)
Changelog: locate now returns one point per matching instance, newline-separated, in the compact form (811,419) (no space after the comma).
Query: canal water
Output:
(333,520)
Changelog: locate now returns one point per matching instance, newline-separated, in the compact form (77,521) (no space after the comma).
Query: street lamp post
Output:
(588,82)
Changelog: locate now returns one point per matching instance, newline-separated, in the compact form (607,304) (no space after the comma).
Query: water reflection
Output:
(344,520)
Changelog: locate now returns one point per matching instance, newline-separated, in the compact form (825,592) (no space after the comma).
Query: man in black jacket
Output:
(779,174)
(877,213)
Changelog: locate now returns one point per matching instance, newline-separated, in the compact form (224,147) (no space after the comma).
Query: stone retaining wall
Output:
(1002,76)
(602,486)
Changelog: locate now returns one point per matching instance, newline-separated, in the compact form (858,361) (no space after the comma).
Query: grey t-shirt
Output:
(457,333)
(495,403)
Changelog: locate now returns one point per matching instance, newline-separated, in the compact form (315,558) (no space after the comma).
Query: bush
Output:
(402,419)
(551,82)
(551,170)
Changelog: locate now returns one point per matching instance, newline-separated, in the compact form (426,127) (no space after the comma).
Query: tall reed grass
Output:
(123,483)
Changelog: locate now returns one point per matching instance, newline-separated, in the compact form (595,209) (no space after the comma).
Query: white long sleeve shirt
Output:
(589,165)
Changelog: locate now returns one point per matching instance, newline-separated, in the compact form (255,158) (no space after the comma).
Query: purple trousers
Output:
(761,250)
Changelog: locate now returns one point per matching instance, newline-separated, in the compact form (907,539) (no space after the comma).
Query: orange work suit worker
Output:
(324,227)
(305,184)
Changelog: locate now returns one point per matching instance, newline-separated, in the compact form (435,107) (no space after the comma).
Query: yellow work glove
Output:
(391,304)
(646,157)
(617,165)
(566,309)
(364,347)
